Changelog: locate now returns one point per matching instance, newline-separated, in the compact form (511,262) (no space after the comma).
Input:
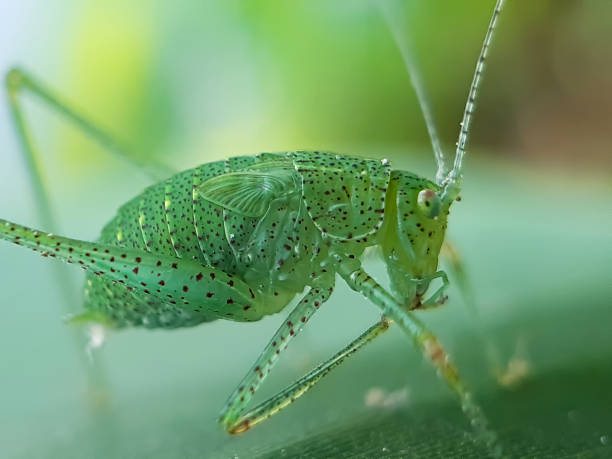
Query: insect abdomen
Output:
(159,220)
(170,218)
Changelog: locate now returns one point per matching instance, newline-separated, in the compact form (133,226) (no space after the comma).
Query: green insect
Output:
(239,239)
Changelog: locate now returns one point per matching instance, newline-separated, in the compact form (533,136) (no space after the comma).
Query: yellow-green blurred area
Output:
(190,82)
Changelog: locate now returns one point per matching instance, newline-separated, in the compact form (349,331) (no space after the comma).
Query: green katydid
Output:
(239,239)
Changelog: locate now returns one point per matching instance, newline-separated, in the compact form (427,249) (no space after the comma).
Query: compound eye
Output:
(429,203)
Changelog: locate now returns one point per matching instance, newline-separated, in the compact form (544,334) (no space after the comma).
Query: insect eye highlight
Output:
(429,203)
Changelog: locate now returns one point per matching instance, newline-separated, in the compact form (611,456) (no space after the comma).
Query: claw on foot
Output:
(240,428)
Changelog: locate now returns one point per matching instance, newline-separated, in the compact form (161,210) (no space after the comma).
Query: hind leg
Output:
(17,83)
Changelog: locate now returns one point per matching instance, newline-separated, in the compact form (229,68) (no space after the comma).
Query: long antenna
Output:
(453,180)
(399,30)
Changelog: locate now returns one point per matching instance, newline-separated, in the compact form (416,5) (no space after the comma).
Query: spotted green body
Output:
(239,239)
(267,220)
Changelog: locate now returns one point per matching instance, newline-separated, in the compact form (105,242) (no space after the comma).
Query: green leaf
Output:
(542,285)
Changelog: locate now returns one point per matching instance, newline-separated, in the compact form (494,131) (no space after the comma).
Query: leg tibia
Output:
(17,81)
(507,374)
(290,328)
(426,342)
(276,403)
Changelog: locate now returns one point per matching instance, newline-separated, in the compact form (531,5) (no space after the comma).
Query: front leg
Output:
(410,291)
(358,280)
(437,299)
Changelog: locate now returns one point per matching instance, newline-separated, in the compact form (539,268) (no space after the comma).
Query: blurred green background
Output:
(194,81)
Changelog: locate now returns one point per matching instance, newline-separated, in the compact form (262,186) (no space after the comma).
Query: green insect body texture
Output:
(238,239)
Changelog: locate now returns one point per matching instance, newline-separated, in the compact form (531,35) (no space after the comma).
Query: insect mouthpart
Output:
(422,285)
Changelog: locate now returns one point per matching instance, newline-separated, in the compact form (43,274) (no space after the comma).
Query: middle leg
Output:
(279,401)
(318,294)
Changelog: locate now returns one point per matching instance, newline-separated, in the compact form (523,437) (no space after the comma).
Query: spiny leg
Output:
(436,299)
(279,401)
(231,415)
(18,82)
(507,374)
(426,342)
